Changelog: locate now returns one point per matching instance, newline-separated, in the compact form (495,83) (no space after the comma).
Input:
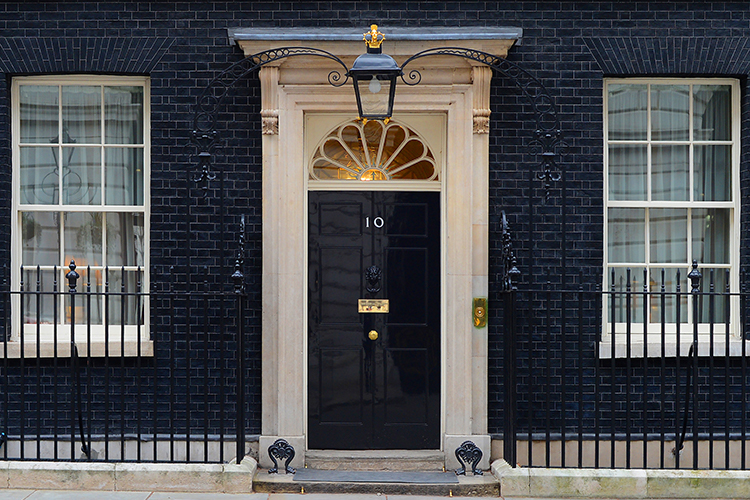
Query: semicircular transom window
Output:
(373,151)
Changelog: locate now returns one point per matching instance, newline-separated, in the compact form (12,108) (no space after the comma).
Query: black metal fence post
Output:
(695,283)
(509,280)
(509,378)
(239,289)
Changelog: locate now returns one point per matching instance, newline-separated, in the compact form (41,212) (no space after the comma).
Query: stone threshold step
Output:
(376,460)
(485,485)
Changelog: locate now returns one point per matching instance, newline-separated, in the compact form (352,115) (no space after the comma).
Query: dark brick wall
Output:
(569,46)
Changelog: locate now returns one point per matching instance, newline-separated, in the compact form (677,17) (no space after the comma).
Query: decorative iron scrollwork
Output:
(238,277)
(281,450)
(205,132)
(373,275)
(469,453)
(510,271)
(547,140)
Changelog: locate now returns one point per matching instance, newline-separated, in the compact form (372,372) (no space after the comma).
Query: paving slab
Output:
(81,495)
(15,494)
(421,497)
(325,496)
(208,496)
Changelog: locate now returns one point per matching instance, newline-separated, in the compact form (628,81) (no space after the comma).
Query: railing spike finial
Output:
(695,278)
(72,276)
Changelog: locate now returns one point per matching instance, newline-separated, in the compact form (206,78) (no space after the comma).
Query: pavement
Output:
(136,495)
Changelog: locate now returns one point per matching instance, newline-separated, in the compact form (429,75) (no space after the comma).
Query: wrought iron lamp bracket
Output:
(205,134)
(547,142)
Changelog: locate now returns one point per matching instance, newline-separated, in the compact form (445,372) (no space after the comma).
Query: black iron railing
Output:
(620,377)
(647,376)
(92,371)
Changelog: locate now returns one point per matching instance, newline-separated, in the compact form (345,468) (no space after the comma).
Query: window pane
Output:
(627,112)
(83,238)
(81,113)
(123,115)
(627,172)
(39,308)
(711,235)
(39,113)
(627,303)
(39,176)
(670,108)
(668,229)
(712,306)
(82,176)
(712,174)
(124,239)
(669,166)
(626,236)
(40,238)
(124,305)
(664,298)
(124,176)
(88,306)
(712,113)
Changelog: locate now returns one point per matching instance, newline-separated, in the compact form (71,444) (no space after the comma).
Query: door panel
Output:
(336,405)
(385,392)
(336,267)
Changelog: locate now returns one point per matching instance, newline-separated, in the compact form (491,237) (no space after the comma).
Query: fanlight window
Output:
(373,151)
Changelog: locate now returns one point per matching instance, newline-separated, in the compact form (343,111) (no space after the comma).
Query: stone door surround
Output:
(298,86)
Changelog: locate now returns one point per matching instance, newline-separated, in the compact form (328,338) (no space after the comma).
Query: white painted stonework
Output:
(456,93)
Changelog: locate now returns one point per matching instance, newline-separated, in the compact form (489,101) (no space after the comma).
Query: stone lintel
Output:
(399,42)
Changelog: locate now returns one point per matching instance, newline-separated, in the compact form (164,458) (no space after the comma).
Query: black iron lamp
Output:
(374,75)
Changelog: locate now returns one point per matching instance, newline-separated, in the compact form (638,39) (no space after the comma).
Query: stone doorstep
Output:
(376,460)
(188,477)
(620,483)
(474,486)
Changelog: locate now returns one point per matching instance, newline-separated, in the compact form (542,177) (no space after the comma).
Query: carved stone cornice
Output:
(481,76)
(481,121)
(269,100)
(269,121)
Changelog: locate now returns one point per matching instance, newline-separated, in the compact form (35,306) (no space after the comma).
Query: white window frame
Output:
(712,339)
(94,341)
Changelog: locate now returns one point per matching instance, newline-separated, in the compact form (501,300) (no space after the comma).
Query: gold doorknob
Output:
(373,335)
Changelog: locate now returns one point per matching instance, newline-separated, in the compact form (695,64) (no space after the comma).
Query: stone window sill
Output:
(653,349)
(96,349)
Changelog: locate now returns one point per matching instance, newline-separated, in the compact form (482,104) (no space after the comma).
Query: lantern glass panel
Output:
(374,94)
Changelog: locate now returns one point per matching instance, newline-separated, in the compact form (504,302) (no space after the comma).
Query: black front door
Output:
(374,377)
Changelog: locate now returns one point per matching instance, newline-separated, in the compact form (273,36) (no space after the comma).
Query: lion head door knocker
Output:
(373,275)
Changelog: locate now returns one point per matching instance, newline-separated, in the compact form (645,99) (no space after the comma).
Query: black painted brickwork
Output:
(570,46)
